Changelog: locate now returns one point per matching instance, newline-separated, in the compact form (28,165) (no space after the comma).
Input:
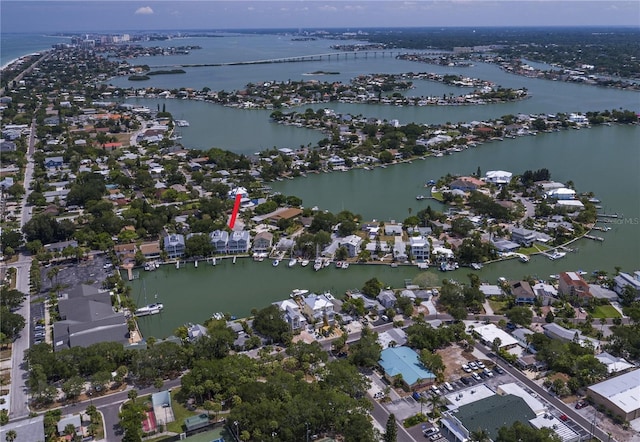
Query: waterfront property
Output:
(572,284)
(623,280)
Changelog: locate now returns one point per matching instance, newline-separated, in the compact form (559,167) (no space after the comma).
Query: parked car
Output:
(473,366)
(564,417)
(480,364)
(465,380)
(498,369)
(435,389)
(476,377)
(581,404)
(416,395)
(430,431)
(487,372)
(466,368)
(448,386)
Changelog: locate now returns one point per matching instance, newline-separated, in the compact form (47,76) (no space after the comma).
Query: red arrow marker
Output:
(234,214)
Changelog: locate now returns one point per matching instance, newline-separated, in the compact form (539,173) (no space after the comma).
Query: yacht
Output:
(304,262)
(151,309)
(556,255)
(345,265)
(298,292)
(293,262)
(338,264)
(420,197)
(524,258)
(317,265)
(276,262)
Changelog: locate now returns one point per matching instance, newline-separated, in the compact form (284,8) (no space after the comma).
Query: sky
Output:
(134,15)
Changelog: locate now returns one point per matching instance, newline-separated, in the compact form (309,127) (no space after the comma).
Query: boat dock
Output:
(601,228)
(595,238)
(607,215)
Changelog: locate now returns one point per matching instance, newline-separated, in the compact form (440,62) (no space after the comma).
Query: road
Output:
(19,406)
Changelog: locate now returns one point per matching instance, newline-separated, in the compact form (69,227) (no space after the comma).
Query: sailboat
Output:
(149,309)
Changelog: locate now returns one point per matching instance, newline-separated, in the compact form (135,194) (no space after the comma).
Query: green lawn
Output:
(497,306)
(179,411)
(605,311)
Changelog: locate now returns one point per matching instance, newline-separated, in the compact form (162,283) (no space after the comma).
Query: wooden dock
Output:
(595,238)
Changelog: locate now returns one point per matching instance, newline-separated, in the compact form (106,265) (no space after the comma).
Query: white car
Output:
(430,431)
(480,364)
(488,372)
(448,386)
(435,389)
(476,377)
(473,366)
(466,368)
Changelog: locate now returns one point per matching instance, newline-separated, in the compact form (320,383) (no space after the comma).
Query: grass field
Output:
(180,413)
(605,311)
(497,306)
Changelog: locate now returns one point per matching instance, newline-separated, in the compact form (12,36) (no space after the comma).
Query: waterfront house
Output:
(125,251)
(370,305)
(523,292)
(522,236)
(393,229)
(466,184)
(420,248)
(239,242)
(291,314)
(562,193)
(219,240)
(174,245)
(262,242)
(572,284)
(352,243)
(498,177)
(196,331)
(150,249)
(504,245)
(623,280)
(490,290)
(387,298)
(317,308)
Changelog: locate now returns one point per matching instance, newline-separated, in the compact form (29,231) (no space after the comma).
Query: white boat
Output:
(151,309)
(149,267)
(556,255)
(298,292)
(524,258)
(317,265)
(327,263)
(276,262)
(345,265)
(476,266)
(182,123)
(420,197)
(304,262)
(293,262)
(338,264)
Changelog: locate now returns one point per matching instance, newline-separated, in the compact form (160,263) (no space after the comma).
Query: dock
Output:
(601,228)
(595,238)
(607,215)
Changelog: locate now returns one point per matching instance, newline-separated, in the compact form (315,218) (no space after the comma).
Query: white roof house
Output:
(562,193)
(489,332)
(498,176)
(613,363)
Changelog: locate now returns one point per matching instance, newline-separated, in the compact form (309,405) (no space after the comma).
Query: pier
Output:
(607,215)
(595,238)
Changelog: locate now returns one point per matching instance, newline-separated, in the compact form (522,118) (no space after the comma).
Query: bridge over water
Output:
(302,58)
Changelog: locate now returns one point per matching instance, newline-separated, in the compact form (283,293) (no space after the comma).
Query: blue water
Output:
(14,46)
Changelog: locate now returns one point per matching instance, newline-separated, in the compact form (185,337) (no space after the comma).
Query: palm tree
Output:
(436,402)
(480,435)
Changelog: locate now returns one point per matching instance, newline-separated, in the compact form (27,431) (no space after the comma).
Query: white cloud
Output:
(145,10)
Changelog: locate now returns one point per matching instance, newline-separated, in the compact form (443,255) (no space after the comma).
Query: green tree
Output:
(391,433)
(270,323)
(372,287)
(366,351)
(520,315)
